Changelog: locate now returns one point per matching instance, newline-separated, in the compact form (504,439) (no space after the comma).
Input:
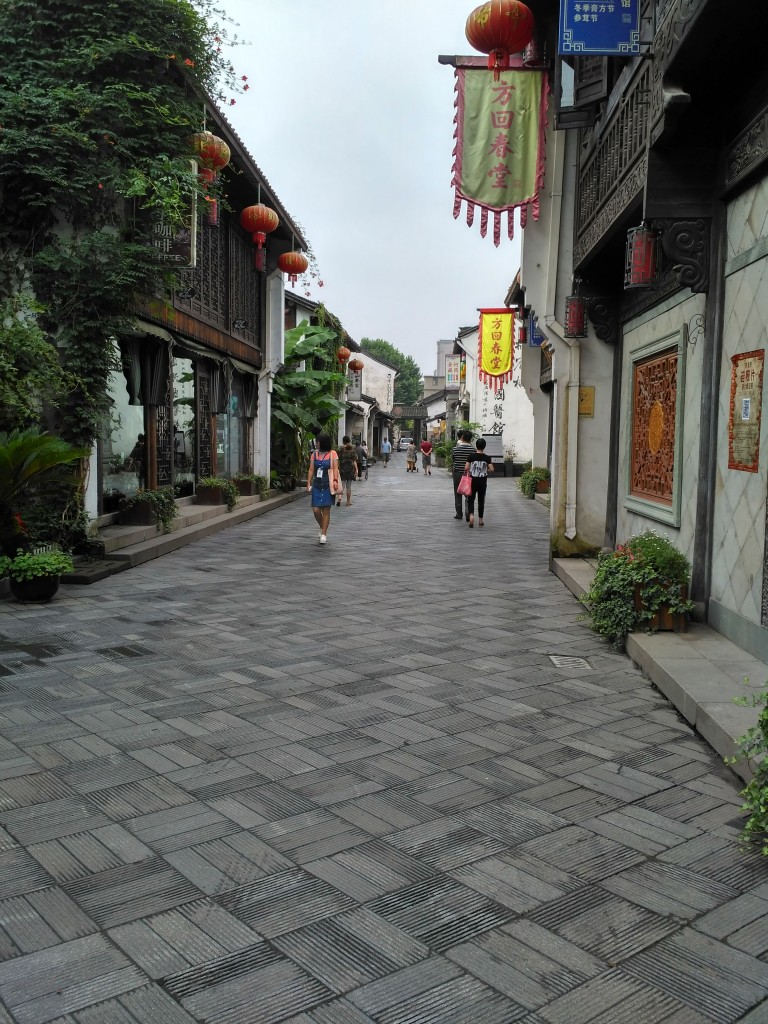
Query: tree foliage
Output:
(409,386)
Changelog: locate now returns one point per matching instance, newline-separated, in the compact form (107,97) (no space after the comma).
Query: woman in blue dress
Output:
(323,470)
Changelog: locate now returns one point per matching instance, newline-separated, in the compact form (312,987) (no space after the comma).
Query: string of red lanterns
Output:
(212,155)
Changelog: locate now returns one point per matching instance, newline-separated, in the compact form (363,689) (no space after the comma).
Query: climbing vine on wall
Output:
(97,104)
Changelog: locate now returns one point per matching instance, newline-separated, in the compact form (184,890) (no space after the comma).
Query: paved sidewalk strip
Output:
(390,780)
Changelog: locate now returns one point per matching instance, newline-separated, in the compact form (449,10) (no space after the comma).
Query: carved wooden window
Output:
(655,429)
(203,293)
(245,313)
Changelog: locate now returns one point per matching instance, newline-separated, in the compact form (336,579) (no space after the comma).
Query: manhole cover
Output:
(567,661)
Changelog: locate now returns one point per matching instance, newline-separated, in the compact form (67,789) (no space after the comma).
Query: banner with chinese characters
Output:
(744,418)
(452,373)
(499,155)
(610,28)
(495,347)
(354,385)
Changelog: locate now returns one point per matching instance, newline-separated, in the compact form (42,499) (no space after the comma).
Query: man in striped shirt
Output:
(462,452)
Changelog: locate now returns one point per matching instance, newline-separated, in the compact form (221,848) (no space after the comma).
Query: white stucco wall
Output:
(738,548)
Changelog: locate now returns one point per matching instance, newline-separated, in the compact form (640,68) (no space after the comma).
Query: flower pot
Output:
(542,486)
(140,514)
(210,496)
(246,488)
(663,619)
(37,590)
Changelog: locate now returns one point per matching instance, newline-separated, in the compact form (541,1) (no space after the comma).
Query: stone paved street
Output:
(391,780)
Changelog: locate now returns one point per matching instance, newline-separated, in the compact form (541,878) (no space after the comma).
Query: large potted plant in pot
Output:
(249,484)
(535,480)
(216,490)
(642,584)
(35,575)
(152,507)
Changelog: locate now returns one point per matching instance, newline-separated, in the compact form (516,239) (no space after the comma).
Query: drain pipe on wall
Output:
(571,424)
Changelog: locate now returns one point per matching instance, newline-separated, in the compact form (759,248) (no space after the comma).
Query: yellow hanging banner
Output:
(495,347)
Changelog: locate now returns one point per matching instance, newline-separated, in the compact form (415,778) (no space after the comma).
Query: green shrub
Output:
(163,502)
(531,477)
(262,482)
(753,746)
(633,582)
(28,565)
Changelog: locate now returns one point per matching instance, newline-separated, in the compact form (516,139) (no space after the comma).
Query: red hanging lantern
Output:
(500,28)
(356,365)
(212,155)
(292,264)
(343,354)
(641,268)
(575,317)
(258,221)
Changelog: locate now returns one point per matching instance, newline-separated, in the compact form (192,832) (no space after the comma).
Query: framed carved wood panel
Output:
(656,429)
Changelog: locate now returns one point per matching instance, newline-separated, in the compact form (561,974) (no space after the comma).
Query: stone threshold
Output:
(699,671)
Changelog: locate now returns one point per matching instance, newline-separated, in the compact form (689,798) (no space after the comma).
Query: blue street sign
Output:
(535,335)
(610,28)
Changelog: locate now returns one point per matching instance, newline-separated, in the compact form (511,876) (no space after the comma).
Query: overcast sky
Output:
(350,118)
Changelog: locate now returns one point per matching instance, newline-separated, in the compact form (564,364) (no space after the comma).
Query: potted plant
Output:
(215,490)
(248,484)
(642,584)
(35,575)
(752,747)
(151,507)
(535,480)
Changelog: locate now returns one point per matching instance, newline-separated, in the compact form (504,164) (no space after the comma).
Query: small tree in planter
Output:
(215,490)
(150,508)
(535,480)
(35,575)
(752,747)
(643,583)
(248,484)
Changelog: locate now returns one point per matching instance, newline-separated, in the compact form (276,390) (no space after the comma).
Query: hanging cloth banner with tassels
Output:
(499,156)
(495,347)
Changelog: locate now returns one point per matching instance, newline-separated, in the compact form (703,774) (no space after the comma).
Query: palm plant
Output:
(25,457)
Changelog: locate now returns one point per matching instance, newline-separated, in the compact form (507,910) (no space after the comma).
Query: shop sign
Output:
(452,373)
(354,386)
(611,28)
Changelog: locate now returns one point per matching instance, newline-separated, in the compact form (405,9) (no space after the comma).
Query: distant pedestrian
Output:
(479,465)
(362,460)
(410,458)
(323,472)
(386,450)
(462,451)
(348,470)
(426,457)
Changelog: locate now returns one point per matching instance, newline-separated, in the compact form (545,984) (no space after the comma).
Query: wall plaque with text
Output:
(745,410)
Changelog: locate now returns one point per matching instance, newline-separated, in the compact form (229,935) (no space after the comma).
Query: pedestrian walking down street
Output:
(386,451)
(478,466)
(348,470)
(362,460)
(323,471)
(426,457)
(463,450)
(410,458)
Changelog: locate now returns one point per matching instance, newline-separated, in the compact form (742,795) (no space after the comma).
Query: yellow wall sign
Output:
(587,401)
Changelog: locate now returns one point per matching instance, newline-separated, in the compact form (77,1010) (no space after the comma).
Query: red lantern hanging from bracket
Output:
(500,28)
(258,221)
(575,317)
(292,264)
(343,354)
(356,365)
(641,268)
(212,155)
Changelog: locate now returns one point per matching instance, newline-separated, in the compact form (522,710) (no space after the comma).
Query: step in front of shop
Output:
(194,523)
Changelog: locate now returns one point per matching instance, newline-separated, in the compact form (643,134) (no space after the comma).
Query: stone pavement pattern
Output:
(390,780)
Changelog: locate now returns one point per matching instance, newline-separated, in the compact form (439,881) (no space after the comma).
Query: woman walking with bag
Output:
(322,481)
(478,467)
